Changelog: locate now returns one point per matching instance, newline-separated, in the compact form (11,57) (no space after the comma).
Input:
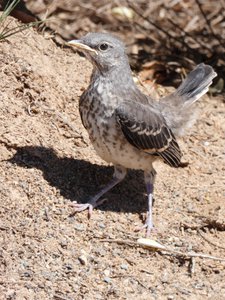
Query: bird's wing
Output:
(146,129)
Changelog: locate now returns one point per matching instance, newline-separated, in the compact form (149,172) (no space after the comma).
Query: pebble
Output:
(178,244)
(164,277)
(25,263)
(107,279)
(68,266)
(106,273)
(63,244)
(79,227)
(10,294)
(27,274)
(124,266)
(101,225)
(83,259)
(190,247)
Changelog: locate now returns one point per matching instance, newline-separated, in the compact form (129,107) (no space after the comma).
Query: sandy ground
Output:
(47,162)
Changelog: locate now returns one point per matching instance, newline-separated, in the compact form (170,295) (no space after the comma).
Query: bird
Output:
(127,128)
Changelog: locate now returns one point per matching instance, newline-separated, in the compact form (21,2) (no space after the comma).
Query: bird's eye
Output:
(103,46)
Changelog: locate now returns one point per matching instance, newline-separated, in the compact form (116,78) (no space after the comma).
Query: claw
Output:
(145,227)
(148,229)
(148,226)
(119,174)
(78,207)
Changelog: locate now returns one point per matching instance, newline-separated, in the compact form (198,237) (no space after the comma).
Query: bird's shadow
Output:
(78,180)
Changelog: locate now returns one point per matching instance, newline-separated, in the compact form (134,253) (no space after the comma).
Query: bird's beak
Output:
(81,46)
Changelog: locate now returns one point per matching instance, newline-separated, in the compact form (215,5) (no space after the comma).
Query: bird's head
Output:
(103,50)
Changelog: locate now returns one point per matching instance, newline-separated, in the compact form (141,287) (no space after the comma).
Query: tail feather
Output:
(177,108)
(197,83)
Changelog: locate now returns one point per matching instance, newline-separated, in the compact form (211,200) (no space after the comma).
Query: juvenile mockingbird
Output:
(126,127)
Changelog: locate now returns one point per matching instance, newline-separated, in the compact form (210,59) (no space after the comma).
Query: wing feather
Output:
(146,129)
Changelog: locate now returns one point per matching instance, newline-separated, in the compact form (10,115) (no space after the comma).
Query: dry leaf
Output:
(150,244)
(123,12)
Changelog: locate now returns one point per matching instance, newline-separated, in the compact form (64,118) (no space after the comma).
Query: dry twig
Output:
(208,23)
(208,240)
(165,250)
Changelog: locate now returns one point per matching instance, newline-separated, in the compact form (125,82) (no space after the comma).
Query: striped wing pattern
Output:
(145,128)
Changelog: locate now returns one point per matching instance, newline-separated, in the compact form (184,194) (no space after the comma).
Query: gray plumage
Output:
(126,127)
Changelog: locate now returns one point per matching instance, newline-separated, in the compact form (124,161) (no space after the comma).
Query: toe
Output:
(80,207)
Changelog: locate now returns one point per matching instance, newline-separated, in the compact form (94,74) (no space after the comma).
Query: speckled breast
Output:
(98,118)
(97,110)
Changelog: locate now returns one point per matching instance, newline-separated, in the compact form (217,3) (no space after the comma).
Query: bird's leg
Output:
(149,180)
(118,176)
(149,223)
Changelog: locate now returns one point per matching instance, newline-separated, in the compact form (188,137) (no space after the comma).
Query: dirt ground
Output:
(47,161)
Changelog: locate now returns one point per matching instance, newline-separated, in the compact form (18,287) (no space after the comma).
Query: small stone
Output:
(68,267)
(176,194)
(63,244)
(190,247)
(212,230)
(100,252)
(27,274)
(83,259)
(107,273)
(124,266)
(164,278)
(101,225)
(25,264)
(190,208)
(10,294)
(79,227)
(178,244)
(107,279)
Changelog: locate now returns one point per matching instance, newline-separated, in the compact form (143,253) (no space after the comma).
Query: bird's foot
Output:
(148,227)
(89,205)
